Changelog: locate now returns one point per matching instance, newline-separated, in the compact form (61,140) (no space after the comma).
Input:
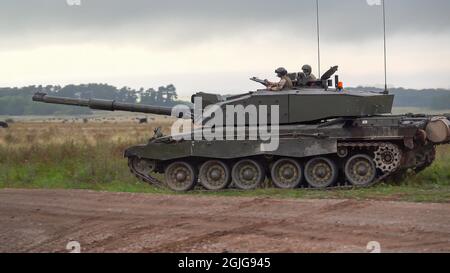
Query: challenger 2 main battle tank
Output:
(326,137)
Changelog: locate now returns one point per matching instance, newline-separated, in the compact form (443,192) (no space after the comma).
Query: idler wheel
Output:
(360,170)
(215,175)
(321,172)
(180,176)
(286,173)
(248,174)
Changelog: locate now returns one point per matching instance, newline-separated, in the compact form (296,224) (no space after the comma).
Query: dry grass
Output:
(25,134)
(76,155)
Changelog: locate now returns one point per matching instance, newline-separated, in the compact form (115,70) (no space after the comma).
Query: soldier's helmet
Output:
(307,69)
(281,72)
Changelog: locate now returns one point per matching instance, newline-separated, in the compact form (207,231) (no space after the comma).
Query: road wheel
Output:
(286,173)
(321,172)
(215,175)
(360,170)
(248,174)
(180,176)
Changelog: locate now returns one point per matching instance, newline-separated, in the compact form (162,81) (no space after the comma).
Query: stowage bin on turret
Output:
(328,137)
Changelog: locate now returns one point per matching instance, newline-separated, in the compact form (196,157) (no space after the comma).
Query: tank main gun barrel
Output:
(108,105)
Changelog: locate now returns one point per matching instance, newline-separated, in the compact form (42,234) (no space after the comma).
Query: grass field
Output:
(89,156)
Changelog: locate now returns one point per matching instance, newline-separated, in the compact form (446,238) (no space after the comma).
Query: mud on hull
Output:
(343,153)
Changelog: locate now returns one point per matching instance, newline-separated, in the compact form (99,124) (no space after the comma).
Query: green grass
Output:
(101,167)
(381,192)
(28,162)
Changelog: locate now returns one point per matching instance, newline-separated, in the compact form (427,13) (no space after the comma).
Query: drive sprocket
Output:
(388,157)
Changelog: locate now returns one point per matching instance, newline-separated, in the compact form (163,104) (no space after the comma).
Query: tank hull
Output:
(348,150)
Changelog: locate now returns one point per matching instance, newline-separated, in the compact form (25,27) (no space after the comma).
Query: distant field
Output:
(418,110)
(79,155)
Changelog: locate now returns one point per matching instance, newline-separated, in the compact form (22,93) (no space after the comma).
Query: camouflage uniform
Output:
(285,82)
(306,76)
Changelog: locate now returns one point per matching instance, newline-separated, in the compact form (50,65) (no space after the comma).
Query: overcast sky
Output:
(216,45)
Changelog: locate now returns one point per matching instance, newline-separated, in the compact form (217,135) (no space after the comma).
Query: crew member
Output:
(285,82)
(306,77)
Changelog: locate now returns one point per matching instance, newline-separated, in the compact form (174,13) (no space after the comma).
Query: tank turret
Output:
(304,103)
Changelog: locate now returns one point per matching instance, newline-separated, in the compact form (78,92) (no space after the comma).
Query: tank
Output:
(327,137)
(3,124)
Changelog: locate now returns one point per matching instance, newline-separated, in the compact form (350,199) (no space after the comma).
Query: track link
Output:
(147,178)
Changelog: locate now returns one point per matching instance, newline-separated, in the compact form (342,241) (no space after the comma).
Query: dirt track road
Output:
(46,220)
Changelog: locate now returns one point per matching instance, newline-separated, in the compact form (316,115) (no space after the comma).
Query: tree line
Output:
(17,101)
(433,99)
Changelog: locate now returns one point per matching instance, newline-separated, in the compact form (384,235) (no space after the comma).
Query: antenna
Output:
(318,37)
(386,91)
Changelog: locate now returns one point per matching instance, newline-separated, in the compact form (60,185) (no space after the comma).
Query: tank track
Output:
(426,158)
(338,186)
(146,178)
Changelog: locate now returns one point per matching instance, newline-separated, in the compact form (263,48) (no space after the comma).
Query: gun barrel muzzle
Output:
(39,97)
